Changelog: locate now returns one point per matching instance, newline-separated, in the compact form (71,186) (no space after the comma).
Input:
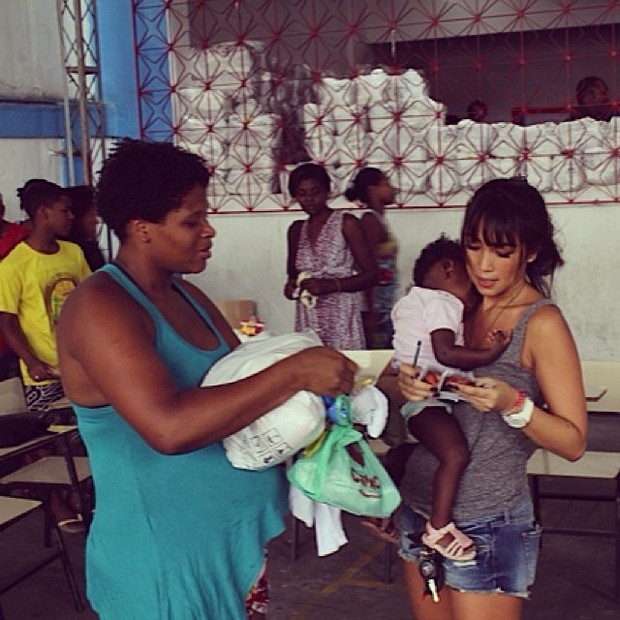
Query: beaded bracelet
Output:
(521,411)
(520,418)
(518,403)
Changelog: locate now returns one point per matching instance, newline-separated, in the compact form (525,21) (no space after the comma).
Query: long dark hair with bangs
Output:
(512,212)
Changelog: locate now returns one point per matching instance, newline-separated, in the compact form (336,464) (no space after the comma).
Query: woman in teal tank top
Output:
(178,532)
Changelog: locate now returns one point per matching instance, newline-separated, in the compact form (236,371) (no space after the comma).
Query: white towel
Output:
(327,521)
(370,408)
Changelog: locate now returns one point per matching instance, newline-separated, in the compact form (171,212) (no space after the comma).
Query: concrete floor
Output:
(575,574)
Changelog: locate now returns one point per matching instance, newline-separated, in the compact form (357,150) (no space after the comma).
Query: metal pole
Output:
(66,109)
(83,98)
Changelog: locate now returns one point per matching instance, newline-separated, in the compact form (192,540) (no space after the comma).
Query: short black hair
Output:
(307,172)
(38,192)
(146,180)
(82,201)
(476,103)
(443,248)
(359,187)
(587,83)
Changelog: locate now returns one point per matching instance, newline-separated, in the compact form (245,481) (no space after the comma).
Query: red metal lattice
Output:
(257,86)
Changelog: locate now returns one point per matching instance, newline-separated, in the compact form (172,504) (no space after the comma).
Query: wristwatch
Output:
(522,417)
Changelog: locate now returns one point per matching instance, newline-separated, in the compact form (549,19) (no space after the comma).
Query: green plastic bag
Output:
(340,469)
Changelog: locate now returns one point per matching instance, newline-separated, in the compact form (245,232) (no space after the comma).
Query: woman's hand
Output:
(312,285)
(289,289)
(488,394)
(410,386)
(40,371)
(324,371)
(319,286)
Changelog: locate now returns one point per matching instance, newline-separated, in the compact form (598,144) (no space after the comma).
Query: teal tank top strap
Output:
(130,286)
(136,292)
(186,362)
(519,329)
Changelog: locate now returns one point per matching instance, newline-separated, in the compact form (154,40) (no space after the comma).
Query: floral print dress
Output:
(336,317)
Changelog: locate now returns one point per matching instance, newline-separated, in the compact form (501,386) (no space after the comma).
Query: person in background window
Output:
(477,111)
(329,263)
(372,189)
(593,100)
(84,229)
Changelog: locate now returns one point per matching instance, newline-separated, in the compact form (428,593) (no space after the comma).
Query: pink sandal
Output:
(460,549)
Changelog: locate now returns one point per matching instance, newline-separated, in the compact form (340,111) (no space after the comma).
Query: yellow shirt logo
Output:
(56,294)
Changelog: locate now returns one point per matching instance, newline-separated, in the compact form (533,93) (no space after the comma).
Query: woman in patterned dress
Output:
(329,264)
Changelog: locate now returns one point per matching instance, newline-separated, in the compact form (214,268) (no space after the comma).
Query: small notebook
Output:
(371,364)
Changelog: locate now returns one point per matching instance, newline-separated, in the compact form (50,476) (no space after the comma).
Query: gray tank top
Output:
(496,477)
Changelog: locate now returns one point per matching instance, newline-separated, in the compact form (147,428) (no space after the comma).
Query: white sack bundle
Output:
(283,431)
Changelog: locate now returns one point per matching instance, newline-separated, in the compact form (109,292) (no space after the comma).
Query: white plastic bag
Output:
(283,431)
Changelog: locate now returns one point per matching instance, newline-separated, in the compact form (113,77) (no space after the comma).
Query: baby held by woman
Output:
(428,330)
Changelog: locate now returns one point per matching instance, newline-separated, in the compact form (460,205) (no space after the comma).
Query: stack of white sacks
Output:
(203,129)
(224,123)
(390,122)
(382,120)
(370,120)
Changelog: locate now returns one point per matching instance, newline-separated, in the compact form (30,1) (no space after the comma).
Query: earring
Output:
(531,259)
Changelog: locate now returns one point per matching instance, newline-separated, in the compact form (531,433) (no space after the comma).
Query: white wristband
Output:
(521,418)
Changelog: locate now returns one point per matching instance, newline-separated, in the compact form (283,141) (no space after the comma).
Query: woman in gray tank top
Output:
(531,396)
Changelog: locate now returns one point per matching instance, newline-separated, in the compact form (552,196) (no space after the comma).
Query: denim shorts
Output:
(506,551)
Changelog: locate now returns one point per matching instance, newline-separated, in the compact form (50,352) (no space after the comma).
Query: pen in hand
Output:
(416,355)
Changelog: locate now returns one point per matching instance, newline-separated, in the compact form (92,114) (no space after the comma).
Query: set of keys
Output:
(431,570)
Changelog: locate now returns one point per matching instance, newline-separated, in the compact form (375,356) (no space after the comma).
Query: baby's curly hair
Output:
(441,249)
(146,180)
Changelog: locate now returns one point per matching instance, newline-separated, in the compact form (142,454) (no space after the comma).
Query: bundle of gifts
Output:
(283,431)
(340,468)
